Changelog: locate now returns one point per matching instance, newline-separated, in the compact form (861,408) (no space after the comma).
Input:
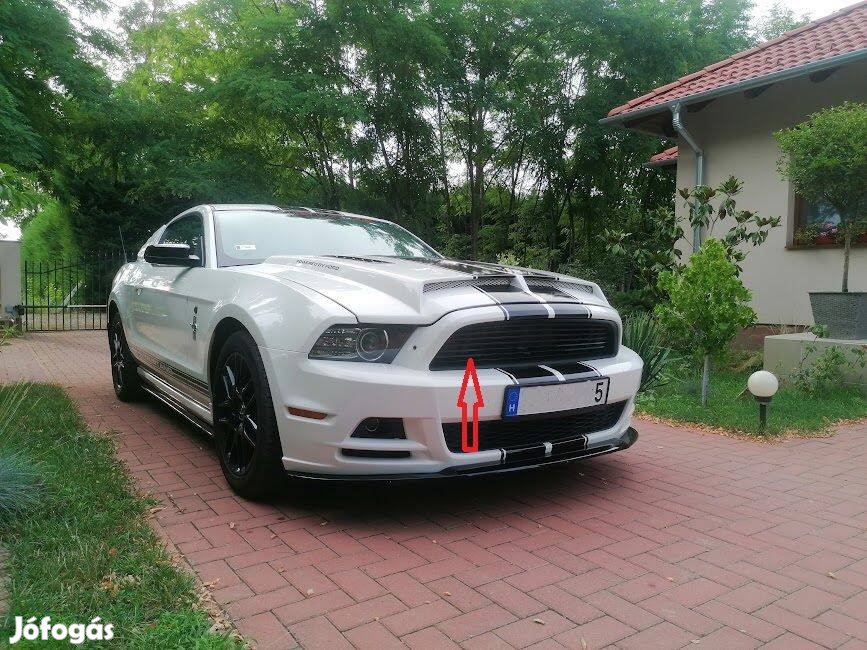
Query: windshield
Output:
(249,237)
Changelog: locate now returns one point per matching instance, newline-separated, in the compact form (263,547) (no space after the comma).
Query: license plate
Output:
(550,398)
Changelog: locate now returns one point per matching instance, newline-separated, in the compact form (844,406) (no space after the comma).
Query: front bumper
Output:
(352,392)
(629,437)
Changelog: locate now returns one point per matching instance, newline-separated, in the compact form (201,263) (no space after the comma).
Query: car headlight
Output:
(371,343)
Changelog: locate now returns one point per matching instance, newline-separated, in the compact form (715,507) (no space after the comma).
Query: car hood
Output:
(419,291)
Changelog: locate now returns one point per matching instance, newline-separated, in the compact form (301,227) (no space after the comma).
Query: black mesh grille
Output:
(529,430)
(528,341)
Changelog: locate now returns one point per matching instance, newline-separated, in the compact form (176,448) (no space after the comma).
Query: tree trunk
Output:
(847,246)
(477,183)
(442,148)
(705,379)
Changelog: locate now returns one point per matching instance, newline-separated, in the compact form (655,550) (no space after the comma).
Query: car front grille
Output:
(514,433)
(528,341)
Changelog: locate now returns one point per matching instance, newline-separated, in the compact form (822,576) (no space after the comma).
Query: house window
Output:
(816,224)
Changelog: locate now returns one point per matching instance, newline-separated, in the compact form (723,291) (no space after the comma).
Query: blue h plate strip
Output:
(510,403)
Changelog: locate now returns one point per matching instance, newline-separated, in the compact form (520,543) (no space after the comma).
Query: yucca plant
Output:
(643,333)
(19,479)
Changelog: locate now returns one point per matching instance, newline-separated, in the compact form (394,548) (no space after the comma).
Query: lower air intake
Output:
(513,433)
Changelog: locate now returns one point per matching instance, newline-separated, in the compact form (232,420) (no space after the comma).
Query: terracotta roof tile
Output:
(667,157)
(840,33)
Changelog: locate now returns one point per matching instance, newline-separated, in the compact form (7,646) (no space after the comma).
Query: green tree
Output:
(778,20)
(706,305)
(473,123)
(825,159)
(748,227)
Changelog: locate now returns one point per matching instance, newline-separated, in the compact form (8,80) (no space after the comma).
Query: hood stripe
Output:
(493,300)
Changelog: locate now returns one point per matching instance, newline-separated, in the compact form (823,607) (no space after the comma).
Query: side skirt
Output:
(196,413)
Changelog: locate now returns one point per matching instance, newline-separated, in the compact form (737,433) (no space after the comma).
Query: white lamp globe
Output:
(763,383)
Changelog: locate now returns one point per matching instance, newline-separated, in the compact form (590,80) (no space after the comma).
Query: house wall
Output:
(736,134)
(10,278)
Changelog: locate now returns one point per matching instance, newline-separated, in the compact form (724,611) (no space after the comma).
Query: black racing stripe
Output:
(508,293)
(529,375)
(564,446)
(525,309)
(549,294)
(570,309)
(573,369)
(496,302)
(525,453)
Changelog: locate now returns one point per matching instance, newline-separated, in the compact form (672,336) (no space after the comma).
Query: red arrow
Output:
(478,400)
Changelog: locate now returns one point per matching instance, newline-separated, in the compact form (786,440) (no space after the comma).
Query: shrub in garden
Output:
(826,370)
(643,334)
(644,245)
(748,228)
(706,305)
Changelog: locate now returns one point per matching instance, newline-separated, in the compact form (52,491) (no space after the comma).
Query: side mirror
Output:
(171,255)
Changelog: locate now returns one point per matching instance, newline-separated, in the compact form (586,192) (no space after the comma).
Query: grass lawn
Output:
(85,549)
(790,411)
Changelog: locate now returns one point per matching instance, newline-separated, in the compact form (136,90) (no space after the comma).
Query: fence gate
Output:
(68,294)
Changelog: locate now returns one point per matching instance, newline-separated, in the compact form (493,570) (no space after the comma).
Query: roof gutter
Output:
(677,123)
(773,77)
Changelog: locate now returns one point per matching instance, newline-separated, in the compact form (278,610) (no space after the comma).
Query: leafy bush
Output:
(749,228)
(642,333)
(707,305)
(642,247)
(824,372)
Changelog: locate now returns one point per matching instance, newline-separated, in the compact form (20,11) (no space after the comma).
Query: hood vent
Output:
(495,282)
(546,284)
(486,282)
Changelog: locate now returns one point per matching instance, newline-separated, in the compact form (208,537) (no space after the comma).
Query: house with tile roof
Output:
(723,118)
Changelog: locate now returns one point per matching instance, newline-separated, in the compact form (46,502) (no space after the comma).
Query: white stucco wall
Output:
(10,277)
(735,133)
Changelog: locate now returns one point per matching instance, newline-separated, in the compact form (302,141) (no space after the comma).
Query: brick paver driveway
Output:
(684,539)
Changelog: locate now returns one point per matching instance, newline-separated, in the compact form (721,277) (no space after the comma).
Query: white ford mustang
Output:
(325,344)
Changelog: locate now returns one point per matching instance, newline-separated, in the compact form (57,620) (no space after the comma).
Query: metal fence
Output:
(68,294)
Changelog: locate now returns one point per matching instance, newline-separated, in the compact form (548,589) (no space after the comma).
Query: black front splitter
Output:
(626,440)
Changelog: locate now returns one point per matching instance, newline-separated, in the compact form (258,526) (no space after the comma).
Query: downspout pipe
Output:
(677,123)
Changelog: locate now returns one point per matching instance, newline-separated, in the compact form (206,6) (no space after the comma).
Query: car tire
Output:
(124,376)
(245,426)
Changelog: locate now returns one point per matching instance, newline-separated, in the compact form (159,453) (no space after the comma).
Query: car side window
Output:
(187,230)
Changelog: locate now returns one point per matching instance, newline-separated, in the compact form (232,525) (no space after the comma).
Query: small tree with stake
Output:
(825,159)
(749,227)
(706,306)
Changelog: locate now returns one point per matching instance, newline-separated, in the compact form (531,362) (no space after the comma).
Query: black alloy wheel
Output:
(245,426)
(238,413)
(118,362)
(124,376)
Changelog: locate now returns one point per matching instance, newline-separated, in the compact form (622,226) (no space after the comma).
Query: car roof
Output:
(299,211)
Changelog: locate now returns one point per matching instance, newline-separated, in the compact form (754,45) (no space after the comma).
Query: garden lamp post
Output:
(763,385)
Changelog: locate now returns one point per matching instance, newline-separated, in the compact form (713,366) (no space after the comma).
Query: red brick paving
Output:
(686,539)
